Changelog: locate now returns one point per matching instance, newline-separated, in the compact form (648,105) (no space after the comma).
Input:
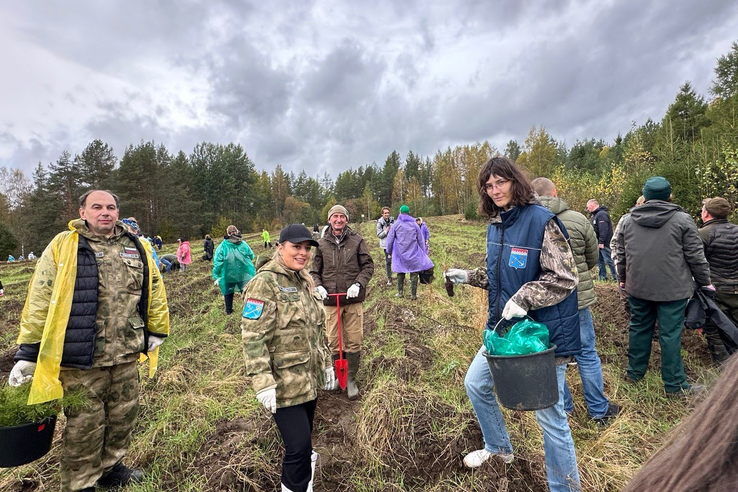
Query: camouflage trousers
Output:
(97,436)
(352,324)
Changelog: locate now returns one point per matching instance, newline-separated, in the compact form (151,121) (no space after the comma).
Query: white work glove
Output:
(22,372)
(353,291)
(456,275)
(321,291)
(330,379)
(154,342)
(216,282)
(268,398)
(512,310)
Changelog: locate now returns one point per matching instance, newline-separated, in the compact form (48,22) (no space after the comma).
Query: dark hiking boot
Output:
(692,390)
(120,475)
(630,380)
(413,289)
(613,409)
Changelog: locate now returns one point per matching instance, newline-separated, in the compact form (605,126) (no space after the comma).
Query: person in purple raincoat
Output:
(406,244)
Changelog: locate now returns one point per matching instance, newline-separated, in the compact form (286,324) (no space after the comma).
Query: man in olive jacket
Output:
(720,239)
(342,263)
(662,253)
(583,242)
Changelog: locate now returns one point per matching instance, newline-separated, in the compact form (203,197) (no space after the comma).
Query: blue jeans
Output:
(606,259)
(558,445)
(590,370)
(167,264)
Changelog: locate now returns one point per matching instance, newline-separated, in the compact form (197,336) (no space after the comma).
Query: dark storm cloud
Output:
(327,86)
(246,88)
(626,64)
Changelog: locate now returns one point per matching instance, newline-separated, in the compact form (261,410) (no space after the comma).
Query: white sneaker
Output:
(475,459)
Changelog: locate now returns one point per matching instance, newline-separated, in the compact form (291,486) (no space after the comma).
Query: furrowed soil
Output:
(201,428)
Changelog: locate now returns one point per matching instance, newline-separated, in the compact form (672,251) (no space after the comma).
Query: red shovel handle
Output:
(338,314)
(341,364)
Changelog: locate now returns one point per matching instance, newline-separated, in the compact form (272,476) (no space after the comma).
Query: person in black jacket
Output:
(720,239)
(209,247)
(603,228)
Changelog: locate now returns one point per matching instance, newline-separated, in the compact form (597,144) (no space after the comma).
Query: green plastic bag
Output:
(525,337)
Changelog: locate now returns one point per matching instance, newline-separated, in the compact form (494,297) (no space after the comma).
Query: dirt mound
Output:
(228,464)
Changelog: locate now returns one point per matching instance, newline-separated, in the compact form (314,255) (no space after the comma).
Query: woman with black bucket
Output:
(530,271)
(284,343)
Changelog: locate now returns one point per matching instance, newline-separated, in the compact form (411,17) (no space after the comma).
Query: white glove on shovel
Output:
(353,291)
(331,382)
(321,291)
(512,310)
(456,275)
(268,398)
(22,372)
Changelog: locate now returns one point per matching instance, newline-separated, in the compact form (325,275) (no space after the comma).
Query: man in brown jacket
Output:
(342,263)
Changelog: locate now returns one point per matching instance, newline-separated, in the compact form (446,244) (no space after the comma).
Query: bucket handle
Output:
(509,320)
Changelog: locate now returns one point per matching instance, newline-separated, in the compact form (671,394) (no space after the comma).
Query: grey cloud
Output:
(345,79)
(245,87)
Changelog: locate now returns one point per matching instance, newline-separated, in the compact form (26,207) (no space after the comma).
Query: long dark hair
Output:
(701,454)
(522,190)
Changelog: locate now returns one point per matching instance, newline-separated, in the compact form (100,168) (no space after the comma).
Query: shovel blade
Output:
(342,372)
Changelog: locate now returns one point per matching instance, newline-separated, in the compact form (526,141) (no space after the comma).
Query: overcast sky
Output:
(328,85)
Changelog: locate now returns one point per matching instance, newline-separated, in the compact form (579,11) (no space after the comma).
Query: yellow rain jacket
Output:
(45,320)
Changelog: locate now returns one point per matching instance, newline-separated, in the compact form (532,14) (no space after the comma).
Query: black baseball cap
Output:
(297,233)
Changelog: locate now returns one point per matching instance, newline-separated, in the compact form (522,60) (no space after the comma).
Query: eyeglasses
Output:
(499,184)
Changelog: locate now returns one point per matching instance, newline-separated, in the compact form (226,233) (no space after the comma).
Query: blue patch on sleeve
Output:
(518,258)
(253,308)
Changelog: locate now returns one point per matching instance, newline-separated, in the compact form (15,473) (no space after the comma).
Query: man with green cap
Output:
(662,254)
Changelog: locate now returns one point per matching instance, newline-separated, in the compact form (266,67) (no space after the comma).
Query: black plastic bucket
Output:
(25,443)
(525,382)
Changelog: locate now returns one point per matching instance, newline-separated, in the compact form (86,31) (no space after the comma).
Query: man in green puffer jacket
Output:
(583,242)
(233,266)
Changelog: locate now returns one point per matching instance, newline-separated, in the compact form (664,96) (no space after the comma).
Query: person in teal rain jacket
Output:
(233,266)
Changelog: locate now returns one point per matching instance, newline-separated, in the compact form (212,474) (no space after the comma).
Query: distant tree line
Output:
(695,146)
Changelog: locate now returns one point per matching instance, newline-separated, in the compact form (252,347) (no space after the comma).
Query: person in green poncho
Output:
(233,266)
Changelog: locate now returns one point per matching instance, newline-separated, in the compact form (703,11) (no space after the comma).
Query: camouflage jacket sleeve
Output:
(478,278)
(615,250)
(256,335)
(559,277)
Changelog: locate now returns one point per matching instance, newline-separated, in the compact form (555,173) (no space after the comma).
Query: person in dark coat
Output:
(662,253)
(720,240)
(209,247)
(603,228)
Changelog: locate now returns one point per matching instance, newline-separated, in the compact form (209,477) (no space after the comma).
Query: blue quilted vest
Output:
(513,259)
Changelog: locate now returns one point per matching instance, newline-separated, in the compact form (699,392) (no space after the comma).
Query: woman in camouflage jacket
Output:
(283,332)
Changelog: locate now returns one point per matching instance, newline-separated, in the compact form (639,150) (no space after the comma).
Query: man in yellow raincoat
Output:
(95,303)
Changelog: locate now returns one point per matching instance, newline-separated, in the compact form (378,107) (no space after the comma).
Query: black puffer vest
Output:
(79,338)
(721,251)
